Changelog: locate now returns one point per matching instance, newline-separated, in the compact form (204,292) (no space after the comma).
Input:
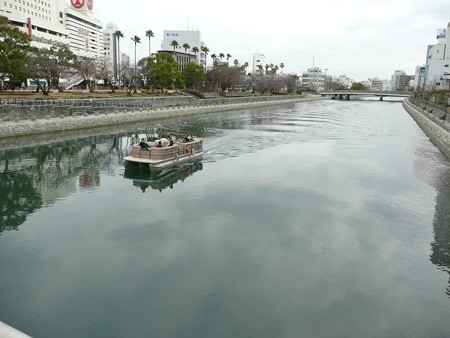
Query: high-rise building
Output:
(85,32)
(259,61)
(437,67)
(400,80)
(111,47)
(192,38)
(43,21)
(52,22)
(419,77)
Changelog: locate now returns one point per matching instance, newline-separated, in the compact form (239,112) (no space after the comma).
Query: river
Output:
(319,219)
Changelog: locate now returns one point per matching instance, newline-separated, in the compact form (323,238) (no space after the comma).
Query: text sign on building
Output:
(29,27)
(441,33)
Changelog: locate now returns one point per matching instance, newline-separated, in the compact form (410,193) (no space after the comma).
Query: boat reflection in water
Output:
(163,179)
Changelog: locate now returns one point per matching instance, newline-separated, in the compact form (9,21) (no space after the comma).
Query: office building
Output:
(190,37)
(437,67)
(52,22)
(259,60)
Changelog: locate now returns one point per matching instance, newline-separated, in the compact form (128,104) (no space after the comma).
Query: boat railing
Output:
(160,154)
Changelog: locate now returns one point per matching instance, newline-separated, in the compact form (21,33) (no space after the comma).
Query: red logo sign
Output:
(90,4)
(77,3)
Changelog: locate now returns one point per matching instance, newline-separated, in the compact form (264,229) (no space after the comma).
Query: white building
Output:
(437,67)
(111,47)
(43,21)
(52,22)
(400,80)
(419,77)
(192,38)
(85,32)
(258,60)
(314,79)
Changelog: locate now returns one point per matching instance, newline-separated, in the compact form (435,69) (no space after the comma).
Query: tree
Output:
(118,35)
(164,70)
(87,68)
(61,60)
(106,73)
(174,44)
(186,46)
(150,35)
(14,51)
(206,51)
(282,66)
(136,39)
(357,86)
(35,68)
(221,56)
(213,57)
(245,68)
(192,75)
(195,50)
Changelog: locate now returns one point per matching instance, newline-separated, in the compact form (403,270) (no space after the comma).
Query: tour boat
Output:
(160,155)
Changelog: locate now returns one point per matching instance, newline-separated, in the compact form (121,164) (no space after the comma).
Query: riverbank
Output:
(25,118)
(435,125)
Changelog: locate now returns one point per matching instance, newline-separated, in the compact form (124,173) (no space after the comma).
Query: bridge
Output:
(345,94)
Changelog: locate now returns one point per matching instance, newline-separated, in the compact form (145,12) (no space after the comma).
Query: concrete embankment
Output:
(21,119)
(435,125)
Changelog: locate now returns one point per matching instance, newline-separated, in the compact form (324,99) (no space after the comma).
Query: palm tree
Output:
(282,66)
(228,56)
(260,67)
(150,35)
(267,66)
(214,56)
(136,40)
(118,35)
(174,44)
(236,62)
(186,46)
(206,51)
(221,55)
(275,69)
(195,50)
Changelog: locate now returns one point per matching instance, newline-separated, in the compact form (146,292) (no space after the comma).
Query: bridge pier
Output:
(381,98)
(348,97)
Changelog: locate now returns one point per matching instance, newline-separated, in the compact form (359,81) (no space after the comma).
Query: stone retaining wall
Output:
(25,120)
(434,126)
(12,109)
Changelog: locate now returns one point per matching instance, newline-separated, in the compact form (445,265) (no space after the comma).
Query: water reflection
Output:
(35,176)
(159,181)
(440,255)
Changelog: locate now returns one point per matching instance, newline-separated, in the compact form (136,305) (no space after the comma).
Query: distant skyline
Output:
(361,39)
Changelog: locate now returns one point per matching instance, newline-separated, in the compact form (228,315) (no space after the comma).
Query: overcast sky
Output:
(360,38)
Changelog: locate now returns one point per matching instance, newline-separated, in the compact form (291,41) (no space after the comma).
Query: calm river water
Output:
(321,219)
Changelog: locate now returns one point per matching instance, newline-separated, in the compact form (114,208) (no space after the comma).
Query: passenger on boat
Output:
(159,145)
(170,143)
(185,138)
(143,144)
